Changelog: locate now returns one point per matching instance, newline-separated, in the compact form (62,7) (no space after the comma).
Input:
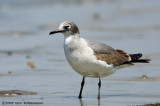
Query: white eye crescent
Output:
(67,27)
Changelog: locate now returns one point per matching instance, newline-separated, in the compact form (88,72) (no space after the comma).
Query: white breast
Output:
(82,59)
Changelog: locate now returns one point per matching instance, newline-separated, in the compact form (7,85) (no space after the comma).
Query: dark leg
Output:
(99,86)
(82,84)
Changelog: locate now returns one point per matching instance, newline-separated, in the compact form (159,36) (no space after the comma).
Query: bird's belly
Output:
(92,70)
(89,66)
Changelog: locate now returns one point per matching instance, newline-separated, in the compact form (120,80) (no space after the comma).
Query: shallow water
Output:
(130,25)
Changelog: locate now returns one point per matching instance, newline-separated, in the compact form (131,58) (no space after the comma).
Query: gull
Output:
(93,59)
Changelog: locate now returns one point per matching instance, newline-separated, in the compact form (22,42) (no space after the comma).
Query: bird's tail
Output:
(135,58)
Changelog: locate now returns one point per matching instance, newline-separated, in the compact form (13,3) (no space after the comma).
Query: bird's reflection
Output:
(99,102)
(83,104)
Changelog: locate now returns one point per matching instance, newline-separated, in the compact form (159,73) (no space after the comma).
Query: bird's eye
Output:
(66,27)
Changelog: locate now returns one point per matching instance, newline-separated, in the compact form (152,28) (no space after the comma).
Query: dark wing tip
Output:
(135,56)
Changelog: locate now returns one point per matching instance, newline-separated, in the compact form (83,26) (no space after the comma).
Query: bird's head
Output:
(67,28)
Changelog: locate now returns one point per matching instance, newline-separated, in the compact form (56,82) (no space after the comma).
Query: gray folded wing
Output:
(108,54)
(100,48)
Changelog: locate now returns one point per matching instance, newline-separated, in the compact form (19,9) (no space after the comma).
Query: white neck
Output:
(72,41)
(75,36)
